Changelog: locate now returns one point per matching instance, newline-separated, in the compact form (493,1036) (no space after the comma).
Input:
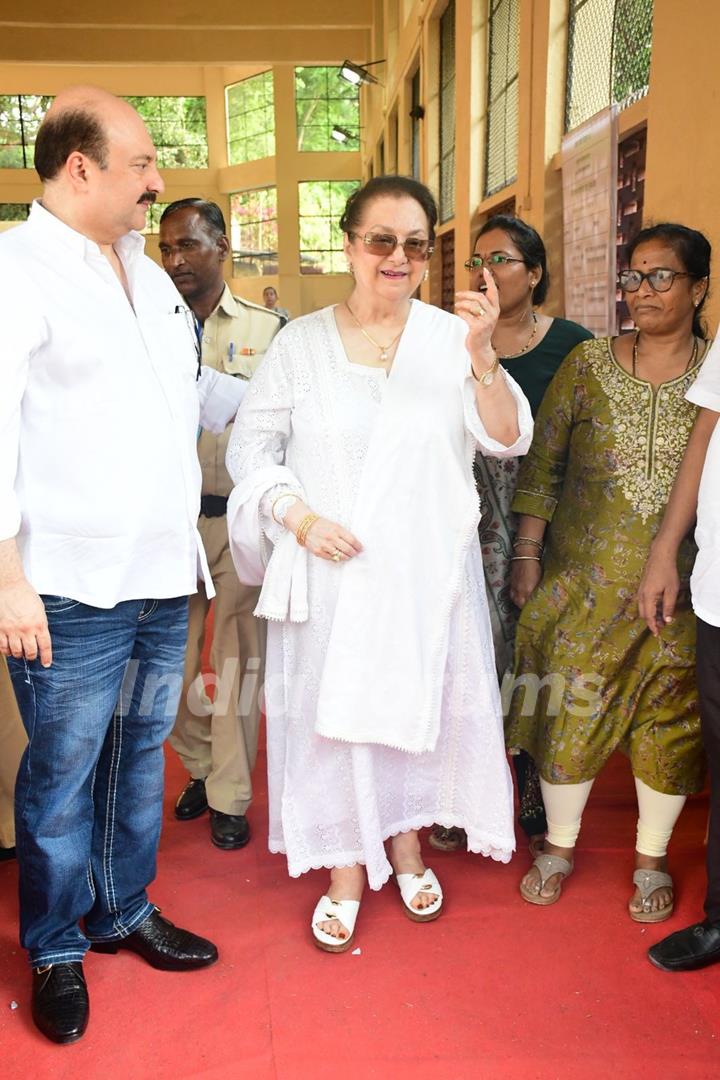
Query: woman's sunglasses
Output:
(385,243)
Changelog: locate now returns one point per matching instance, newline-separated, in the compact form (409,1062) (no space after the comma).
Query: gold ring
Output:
(336,556)
(479,311)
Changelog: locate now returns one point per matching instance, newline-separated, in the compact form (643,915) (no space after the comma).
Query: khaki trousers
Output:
(217,740)
(12,743)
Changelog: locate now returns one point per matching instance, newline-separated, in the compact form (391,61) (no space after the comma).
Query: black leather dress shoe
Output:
(694,947)
(163,945)
(228,831)
(192,801)
(60,1003)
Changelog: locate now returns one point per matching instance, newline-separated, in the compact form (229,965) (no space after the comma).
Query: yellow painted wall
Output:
(683,155)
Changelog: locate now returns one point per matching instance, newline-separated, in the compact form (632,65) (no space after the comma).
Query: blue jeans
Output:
(88,798)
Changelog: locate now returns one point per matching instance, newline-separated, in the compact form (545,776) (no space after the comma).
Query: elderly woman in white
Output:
(355,502)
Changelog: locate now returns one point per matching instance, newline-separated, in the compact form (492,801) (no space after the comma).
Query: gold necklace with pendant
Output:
(383,349)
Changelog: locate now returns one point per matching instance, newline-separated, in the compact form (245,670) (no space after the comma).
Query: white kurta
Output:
(334,803)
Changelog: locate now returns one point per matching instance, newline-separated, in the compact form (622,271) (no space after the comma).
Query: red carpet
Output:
(494,989)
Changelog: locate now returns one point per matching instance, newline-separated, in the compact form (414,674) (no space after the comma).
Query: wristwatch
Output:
(488,377)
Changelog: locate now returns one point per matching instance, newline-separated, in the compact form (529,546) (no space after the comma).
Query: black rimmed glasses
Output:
(660,278)
(378,243)
(476,262)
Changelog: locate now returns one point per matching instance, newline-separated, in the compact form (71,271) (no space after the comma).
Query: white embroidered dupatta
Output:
(416,512)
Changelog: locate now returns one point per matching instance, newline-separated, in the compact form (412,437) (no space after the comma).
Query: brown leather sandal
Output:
(452,839)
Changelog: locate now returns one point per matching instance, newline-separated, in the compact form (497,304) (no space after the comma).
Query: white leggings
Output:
(564,805)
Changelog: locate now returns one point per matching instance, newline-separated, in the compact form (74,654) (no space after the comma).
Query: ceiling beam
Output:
(66,45)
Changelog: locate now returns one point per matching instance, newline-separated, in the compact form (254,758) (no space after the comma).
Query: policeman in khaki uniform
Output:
(217,742)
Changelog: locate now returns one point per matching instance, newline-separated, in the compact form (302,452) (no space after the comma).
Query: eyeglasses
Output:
(660,279)
(415,249)
(476,262)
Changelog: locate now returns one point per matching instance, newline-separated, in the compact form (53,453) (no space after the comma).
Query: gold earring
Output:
(426,275)
(351,269)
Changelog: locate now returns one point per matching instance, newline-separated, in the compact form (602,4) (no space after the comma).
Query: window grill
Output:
(609,52)
(447,113)
(152,221)
(416,118)
(321,204)
(250,119)
(502,95)
(20,118)
(178,129)
(447,271)
(322,101)
(254,231)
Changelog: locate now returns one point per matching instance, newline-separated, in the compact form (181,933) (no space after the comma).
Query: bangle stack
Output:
(304,527)
(518,541)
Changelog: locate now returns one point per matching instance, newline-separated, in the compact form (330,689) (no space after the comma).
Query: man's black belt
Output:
(213,505)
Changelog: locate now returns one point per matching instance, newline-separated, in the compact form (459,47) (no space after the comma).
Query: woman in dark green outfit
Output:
(609,438)
(531,347)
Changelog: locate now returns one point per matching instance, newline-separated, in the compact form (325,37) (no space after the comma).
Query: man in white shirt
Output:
(695,494)
(99,498)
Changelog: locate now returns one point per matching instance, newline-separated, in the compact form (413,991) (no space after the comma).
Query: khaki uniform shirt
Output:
(235,338)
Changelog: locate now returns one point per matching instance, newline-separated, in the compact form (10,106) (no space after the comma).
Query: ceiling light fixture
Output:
(358,73)
(341,134)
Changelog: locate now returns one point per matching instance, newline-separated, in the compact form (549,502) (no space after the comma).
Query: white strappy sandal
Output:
(345,911)
(410,885)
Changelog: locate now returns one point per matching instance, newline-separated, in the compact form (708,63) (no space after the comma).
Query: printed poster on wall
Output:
(589,176)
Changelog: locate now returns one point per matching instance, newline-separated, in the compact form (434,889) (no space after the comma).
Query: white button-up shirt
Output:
(99,411)
(705,580)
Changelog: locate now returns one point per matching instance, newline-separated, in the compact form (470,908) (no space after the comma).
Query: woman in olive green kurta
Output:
(589,676)
(602,463)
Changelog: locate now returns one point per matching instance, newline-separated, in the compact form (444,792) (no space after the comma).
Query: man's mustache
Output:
(149,197)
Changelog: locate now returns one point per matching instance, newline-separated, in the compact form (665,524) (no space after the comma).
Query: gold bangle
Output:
(304,527)
(527,540)
(285,495)
(525,558)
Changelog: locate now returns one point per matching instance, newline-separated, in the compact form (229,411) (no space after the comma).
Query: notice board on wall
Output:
(589,177)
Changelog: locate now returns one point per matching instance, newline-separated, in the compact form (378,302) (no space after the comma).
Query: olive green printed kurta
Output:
(592,678)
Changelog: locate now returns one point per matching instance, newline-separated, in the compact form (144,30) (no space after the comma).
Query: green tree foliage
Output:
(20,117)
(152,222)
(323,99)
(14,211)
(321,205)
(250,114)
(178,129)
